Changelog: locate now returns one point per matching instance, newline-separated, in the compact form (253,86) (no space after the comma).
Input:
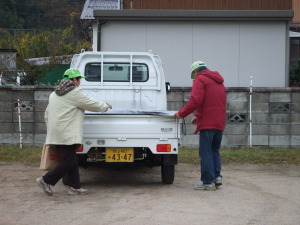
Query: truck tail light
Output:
(80,149)
(163,148)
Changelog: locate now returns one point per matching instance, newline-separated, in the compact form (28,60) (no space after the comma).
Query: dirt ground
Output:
(251,194)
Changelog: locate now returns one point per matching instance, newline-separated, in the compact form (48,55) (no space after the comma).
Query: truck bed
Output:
(131,128)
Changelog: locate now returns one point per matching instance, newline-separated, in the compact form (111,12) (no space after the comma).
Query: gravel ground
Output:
(250,194)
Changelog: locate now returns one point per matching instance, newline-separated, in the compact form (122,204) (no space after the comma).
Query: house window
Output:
(116,72)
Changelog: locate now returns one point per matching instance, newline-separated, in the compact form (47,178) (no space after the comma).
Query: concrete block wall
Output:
(33,102)
(275,116)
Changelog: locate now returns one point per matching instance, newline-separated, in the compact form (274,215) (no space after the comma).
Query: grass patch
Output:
(246,155)
(32,155)
(24,155)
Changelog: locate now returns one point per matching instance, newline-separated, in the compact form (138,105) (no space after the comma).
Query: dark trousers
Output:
(68,165)
(209,151)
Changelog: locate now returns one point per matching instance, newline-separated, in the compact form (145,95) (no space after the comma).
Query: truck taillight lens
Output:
(163,148)
(80,149)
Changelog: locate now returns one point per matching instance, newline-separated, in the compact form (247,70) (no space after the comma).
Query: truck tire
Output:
(65,180)
(167,174)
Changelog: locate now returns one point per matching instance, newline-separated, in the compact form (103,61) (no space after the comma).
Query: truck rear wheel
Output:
(167,173)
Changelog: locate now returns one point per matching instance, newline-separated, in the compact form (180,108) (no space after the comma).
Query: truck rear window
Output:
(116,72)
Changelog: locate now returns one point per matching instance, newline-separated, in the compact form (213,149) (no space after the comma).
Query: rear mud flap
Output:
(169,159)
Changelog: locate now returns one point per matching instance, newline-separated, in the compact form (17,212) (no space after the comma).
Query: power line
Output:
(33,4)
(41,14)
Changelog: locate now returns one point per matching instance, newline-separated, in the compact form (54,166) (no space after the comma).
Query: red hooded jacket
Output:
(208,100)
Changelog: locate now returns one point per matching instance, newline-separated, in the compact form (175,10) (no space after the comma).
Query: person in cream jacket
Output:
(64,118)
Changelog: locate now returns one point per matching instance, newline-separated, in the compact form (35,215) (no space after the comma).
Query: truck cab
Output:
(125,80)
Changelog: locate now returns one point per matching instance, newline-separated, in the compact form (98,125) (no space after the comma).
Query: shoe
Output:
(46,187)
(79,191)
(205,187)
(218,181)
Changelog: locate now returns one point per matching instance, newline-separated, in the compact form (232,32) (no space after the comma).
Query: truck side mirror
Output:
(168,87)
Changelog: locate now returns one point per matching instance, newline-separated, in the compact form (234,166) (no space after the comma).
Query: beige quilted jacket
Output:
(64,116)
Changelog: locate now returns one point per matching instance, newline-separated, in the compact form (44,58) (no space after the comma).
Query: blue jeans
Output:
(209,152)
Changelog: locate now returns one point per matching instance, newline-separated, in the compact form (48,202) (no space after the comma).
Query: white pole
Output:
(250,111)
(20,127)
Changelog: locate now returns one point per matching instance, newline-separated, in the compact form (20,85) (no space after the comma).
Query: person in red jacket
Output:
(208,102)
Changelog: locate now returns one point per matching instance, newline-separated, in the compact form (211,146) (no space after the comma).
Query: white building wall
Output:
(263,53)
(237,49)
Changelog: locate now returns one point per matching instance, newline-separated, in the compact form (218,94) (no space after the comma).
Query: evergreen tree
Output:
(9,17)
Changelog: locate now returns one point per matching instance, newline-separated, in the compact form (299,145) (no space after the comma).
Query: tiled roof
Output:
(91,5)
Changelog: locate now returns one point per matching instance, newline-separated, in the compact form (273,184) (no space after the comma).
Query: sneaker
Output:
(46,187)
(205,187)
(218,181)
(79,191)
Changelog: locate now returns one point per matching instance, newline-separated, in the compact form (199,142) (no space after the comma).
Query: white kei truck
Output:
(138,130)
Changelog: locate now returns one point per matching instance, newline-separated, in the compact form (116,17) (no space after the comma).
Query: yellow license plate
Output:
(119,155)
